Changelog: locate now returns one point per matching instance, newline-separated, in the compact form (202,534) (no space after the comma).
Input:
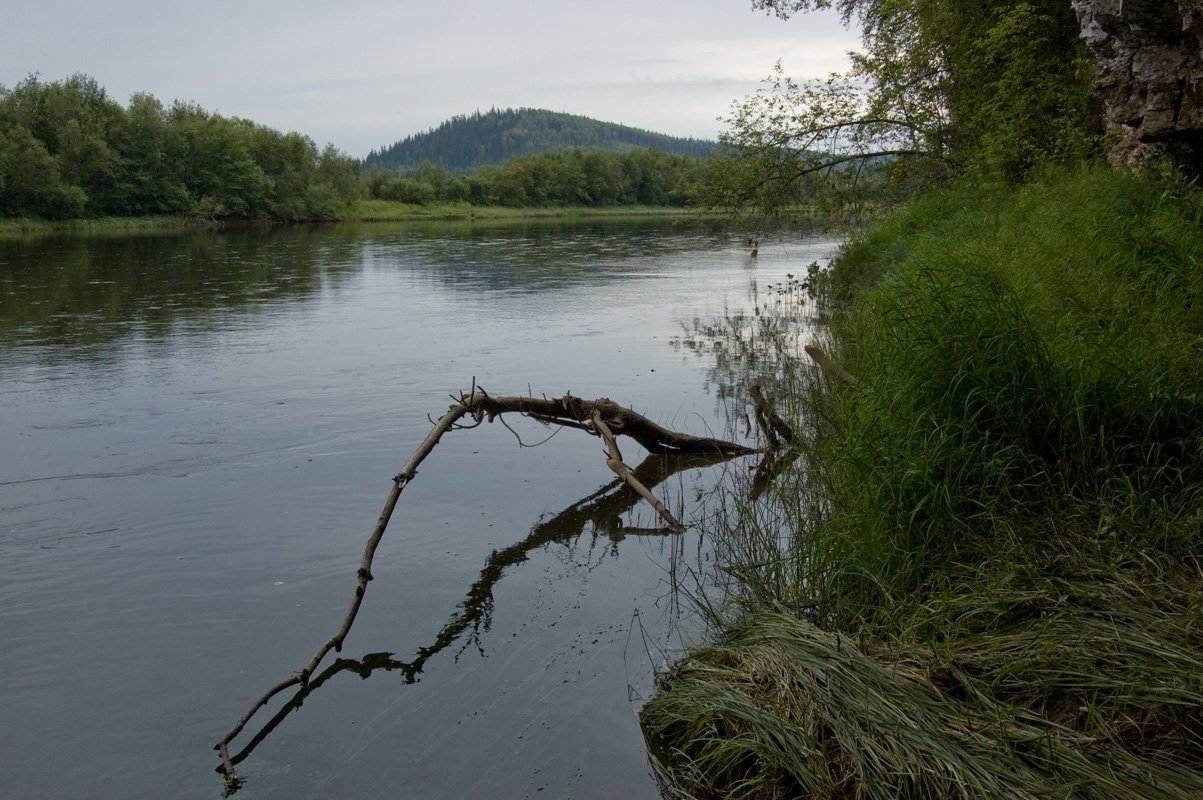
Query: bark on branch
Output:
(621,421)
(830,367)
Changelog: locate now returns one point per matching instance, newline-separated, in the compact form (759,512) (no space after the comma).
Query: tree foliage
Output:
(69,150)
(940,87)
(467,142)
(570,178)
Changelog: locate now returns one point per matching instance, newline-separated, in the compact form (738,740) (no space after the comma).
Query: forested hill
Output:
(463,143)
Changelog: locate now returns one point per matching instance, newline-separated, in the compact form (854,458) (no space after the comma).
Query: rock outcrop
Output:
(1150,55)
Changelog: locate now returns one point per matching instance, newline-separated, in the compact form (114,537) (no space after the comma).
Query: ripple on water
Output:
(196,454)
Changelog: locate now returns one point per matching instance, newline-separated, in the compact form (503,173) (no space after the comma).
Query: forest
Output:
(596,178)
(465,142)
(70,151)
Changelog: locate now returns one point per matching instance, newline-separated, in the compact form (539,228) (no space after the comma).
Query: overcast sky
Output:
(361,74)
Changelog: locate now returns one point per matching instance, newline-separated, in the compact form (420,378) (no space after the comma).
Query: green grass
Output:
(21,225)
(358,211)
(387,210)
(998,528)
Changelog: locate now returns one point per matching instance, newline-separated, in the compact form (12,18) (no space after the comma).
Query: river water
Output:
(199,432)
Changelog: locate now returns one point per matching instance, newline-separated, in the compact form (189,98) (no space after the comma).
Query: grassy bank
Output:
(389,211)
(22,225)
(982,578)
(359,211)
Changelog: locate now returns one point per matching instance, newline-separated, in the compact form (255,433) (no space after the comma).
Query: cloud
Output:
(373,72)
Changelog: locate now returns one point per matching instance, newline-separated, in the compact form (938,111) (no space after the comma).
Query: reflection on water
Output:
(82,292)
(763,345)
(199,429)
(87,291)
(598,515)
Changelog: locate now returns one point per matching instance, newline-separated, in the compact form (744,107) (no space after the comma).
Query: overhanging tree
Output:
(939,88)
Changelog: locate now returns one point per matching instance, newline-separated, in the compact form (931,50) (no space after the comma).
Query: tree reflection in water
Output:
(600,512)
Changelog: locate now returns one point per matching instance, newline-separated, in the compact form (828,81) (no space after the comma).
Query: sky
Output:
(362,74)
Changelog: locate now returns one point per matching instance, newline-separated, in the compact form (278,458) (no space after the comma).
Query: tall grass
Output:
(981,581)
(1032,368)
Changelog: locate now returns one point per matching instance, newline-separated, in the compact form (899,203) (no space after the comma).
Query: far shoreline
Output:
(370,211)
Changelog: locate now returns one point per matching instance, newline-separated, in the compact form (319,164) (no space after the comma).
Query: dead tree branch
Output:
(776,430)
(830,367)
(614,462)
(364,574)
(600,417)
(575,412)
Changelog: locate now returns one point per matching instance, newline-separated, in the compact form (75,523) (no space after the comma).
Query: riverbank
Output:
(359,211)
(389,211)
(23,225)
(981,580)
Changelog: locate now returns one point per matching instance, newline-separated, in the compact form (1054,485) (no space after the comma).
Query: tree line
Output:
(570,178)
(68,150)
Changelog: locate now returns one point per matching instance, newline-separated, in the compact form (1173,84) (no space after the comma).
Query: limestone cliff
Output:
(1150,54)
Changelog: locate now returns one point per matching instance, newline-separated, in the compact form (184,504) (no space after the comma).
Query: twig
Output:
(519,438)
(614,462)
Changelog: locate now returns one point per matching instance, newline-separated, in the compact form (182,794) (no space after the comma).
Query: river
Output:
(199,432)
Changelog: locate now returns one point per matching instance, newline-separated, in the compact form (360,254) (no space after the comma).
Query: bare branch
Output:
(835,162)
(408,472)
(776,430)
(601,417)
(614,462)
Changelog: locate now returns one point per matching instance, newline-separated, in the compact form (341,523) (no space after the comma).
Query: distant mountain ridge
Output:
(464,143)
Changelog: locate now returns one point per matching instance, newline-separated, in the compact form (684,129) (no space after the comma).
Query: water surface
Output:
(200,430)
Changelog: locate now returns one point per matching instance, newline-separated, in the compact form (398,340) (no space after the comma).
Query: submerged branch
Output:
(599,417)
(364,574)
(830,367)
(776,430)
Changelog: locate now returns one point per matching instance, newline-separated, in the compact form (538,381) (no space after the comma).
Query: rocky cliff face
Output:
(1150,54)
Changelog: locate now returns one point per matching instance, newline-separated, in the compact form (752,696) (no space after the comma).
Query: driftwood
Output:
(602,418)
(778,455)
(776,430)
(578,413)
(830,367)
